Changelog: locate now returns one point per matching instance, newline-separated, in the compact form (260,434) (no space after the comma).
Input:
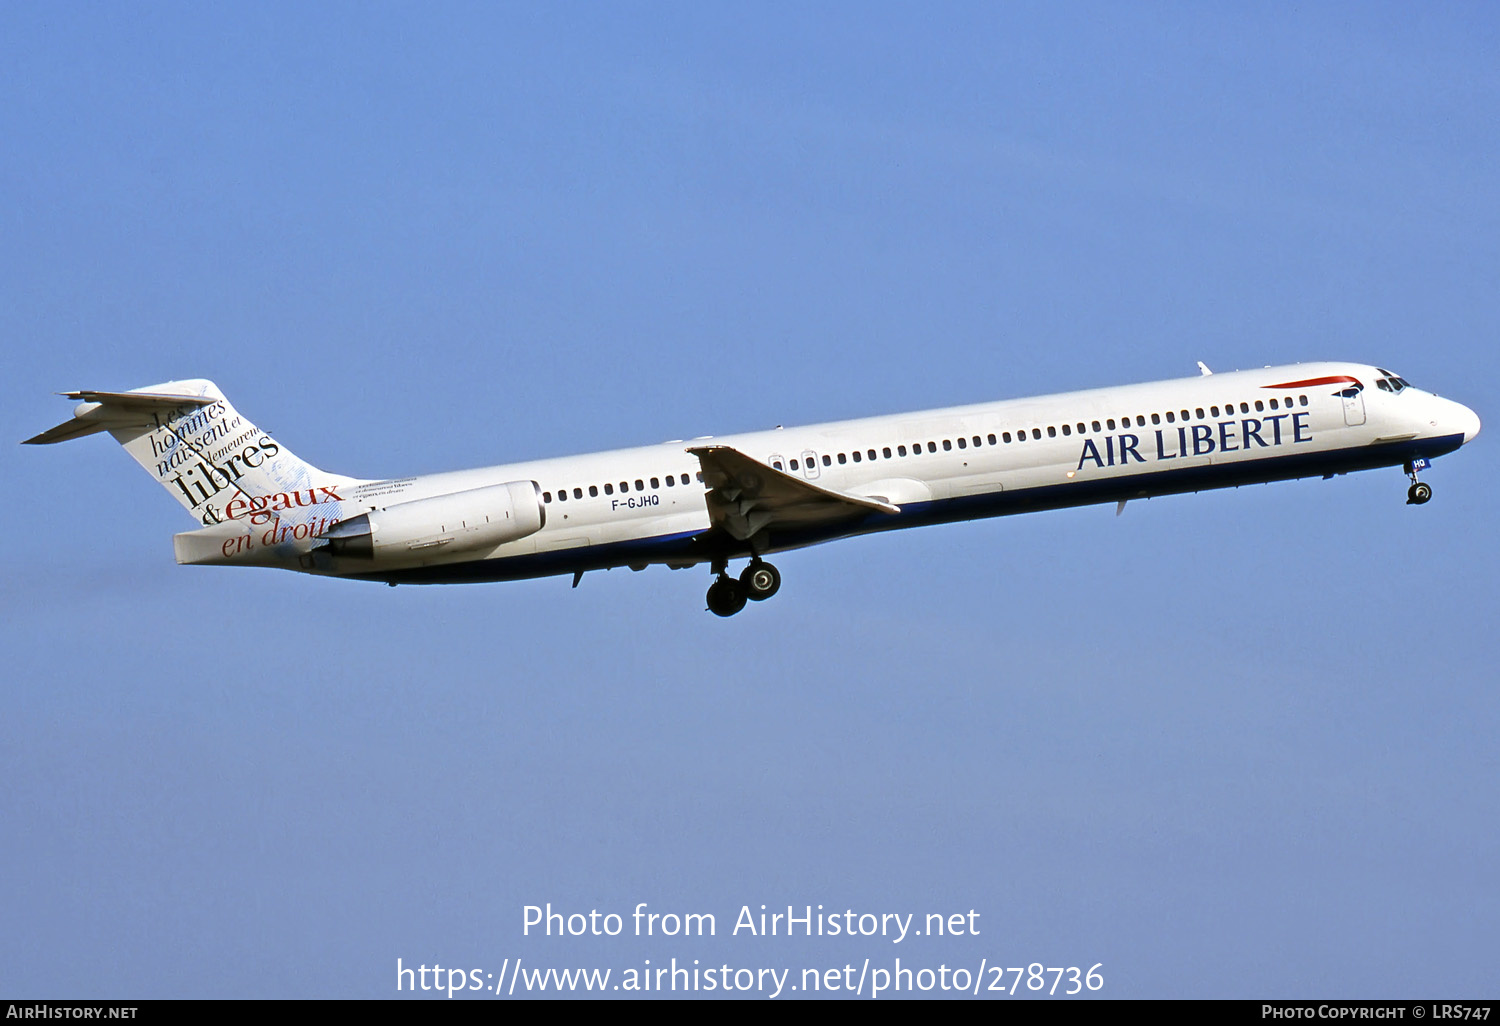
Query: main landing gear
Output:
(1418,493)
(727,596)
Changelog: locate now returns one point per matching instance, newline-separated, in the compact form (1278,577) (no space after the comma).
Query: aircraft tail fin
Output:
(188,437)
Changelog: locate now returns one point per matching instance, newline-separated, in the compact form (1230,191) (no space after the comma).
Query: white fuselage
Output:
(635,507)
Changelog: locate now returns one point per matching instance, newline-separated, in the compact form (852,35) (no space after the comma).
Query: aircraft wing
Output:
(746,496)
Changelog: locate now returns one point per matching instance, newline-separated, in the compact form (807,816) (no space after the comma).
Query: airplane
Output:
(745,496)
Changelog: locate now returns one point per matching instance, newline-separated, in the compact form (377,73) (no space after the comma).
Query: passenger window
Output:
(1170,418)
(856,455)
(1259,406)
(870,454)
(886,452)
(1096,425)
(900,450)
(624,487)
(1214,410)
(562,495)
(1036,433)
(1110,423)
(1303,400)
(1244,407)
(992,439)
(963,443)
(932,447)
(640,485)
(1051,431)
(655,483)
(1006,436)
(843,458)
(609,489)
(1067,429)
(794,464)
(827,461)
(593,491)
(546,496)
(577,493)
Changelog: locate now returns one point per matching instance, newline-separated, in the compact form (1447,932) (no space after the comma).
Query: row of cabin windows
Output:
(1171,416)
(671,480)
(1004,437)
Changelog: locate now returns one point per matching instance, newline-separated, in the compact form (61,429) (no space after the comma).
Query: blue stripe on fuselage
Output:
(703,546)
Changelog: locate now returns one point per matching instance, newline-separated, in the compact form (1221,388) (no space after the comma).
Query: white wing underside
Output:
(746,496)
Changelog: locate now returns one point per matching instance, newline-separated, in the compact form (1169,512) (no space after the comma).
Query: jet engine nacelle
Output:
(479,518)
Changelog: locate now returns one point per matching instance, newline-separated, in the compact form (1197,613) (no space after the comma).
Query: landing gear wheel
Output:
(1418,493)
(760,581)
(726,596)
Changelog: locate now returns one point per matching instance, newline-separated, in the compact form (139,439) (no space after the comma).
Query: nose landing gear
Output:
(1418,493)
(727,596)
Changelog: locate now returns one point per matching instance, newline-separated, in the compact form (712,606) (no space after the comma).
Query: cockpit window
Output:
(1390,382)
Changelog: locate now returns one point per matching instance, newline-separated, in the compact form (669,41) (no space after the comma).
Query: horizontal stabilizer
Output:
(100,411)
(66,431)
(142,400)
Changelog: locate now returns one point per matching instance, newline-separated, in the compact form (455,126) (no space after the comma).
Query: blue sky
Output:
(1235,744)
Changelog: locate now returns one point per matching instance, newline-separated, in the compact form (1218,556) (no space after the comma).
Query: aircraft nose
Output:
(1456,418)
(1449,418)
(1469,421)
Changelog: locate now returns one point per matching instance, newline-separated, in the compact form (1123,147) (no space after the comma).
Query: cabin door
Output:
(1354,405)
